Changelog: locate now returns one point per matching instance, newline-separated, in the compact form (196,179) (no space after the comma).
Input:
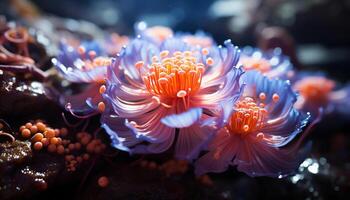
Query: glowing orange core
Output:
(249,117)
(176,75)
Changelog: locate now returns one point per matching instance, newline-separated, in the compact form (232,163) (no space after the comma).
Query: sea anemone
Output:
(161,92)
(256,132)
(84,64)
(317,91)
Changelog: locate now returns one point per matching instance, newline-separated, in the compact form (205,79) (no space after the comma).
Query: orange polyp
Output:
(209,61)
(262,96)
(102,89)
(249,117)
(173,76)
(101,107)
(275,97)
(205,51)
(81,50)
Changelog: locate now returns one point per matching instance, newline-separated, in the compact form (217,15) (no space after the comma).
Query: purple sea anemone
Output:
(83,65)
(255,133)
(163,93)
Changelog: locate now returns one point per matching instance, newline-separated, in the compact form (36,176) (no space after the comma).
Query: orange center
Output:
(178,75)
(247,118)
(261,64)
(315,88)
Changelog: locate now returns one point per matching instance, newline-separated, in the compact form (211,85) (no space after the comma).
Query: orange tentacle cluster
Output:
(249,117)
(92,61)
(178,75)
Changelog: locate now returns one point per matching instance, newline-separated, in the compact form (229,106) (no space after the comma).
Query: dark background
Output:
(321,28)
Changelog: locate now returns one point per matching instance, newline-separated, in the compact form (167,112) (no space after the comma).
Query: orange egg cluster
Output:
(82,150)
(43,136)
(74,152)
(176,75)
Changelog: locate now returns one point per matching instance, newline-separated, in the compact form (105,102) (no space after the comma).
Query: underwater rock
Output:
(22,95)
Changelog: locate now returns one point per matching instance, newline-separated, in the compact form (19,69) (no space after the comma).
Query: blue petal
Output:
(184,119)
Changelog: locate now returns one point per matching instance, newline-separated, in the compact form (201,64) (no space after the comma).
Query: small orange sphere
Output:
(45,141)
(103,181)
(86,156)
(38,146)
(63,131)
(34,129)
(57,132)
(71,147)
(41,126)
(37,137)
(29,125)
(85,139)
(49,133)
(21,128)
(26,133)
(51,148)
(77,145)
(53,140)
(60,149)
